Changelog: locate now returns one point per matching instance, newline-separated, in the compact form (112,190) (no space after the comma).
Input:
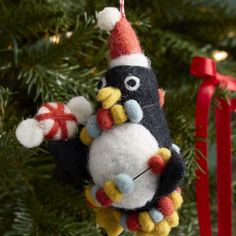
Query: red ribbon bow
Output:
(206,68)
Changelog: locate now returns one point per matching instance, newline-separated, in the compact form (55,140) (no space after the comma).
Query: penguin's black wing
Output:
(71,157)
(172,175)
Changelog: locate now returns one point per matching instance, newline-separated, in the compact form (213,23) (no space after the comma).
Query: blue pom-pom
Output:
(123,220)
(93,128)
(175,148)
(156,215)
(124,183)
(94,191)
(134,111)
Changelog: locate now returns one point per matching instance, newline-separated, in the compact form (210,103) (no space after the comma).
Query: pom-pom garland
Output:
(93,127)
(162,229)
(173,220)
(157,163)
(112,191)
(124,183)
(177,199)
(156,215)
(145,221)
(157,220)
(123,222)
(165,153)
(118,114)
(108,96)
(106,118)
(166,206)
(134,111)
(133,222)
(84,136)
(102,198)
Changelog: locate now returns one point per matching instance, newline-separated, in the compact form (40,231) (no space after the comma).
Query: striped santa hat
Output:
(124,45)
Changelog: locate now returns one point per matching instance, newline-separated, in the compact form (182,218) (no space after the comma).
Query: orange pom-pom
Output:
(166,206)
(156,164)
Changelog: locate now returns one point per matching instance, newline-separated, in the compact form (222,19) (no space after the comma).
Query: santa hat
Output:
(124,46)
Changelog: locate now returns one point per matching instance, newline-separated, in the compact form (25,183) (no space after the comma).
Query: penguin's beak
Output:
(108,96)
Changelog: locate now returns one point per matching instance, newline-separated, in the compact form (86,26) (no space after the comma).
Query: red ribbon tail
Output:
(224,168)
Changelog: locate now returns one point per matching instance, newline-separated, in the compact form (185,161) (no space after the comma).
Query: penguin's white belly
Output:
(125,149)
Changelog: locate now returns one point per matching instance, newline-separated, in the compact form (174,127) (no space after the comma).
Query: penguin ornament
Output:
(132,161)
(125,145)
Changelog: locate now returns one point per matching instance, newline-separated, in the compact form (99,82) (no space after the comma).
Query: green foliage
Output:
(52,50)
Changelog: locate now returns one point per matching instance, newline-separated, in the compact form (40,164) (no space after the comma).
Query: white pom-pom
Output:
(29,133)
(107,18)
(81,108)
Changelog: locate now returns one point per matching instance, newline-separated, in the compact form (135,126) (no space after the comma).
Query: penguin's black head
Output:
(133,82)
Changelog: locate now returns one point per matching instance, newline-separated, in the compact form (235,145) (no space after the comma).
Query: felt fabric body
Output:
(125,149)
(71,156)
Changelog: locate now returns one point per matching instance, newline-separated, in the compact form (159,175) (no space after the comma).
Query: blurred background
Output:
(52,50)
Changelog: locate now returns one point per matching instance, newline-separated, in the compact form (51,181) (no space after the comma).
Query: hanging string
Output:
(141,174)
(122,7)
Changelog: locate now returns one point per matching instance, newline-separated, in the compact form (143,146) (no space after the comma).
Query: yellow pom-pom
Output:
(177,199)
(89,197)
(112,191)
(162,228)
(106,220)
(84,137)
(145,221)
(108,96)
(173,220)
(118,114)
(164,153)
(117,214)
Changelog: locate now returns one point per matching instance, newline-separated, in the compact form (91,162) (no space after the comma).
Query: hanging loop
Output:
(122,8)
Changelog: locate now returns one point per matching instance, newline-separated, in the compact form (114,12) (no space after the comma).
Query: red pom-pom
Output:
(102,198)
(133,222)
(104,119)
(156,164)
(166,206)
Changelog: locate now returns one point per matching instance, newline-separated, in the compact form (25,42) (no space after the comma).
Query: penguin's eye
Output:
(102,83)
(132,83)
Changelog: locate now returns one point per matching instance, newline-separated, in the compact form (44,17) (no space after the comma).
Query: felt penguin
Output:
(140,129)
(125,147)
(134,166)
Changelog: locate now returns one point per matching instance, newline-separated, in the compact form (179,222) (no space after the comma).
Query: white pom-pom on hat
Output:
(81,108)
(108,18)
(124,45)
(29,133)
